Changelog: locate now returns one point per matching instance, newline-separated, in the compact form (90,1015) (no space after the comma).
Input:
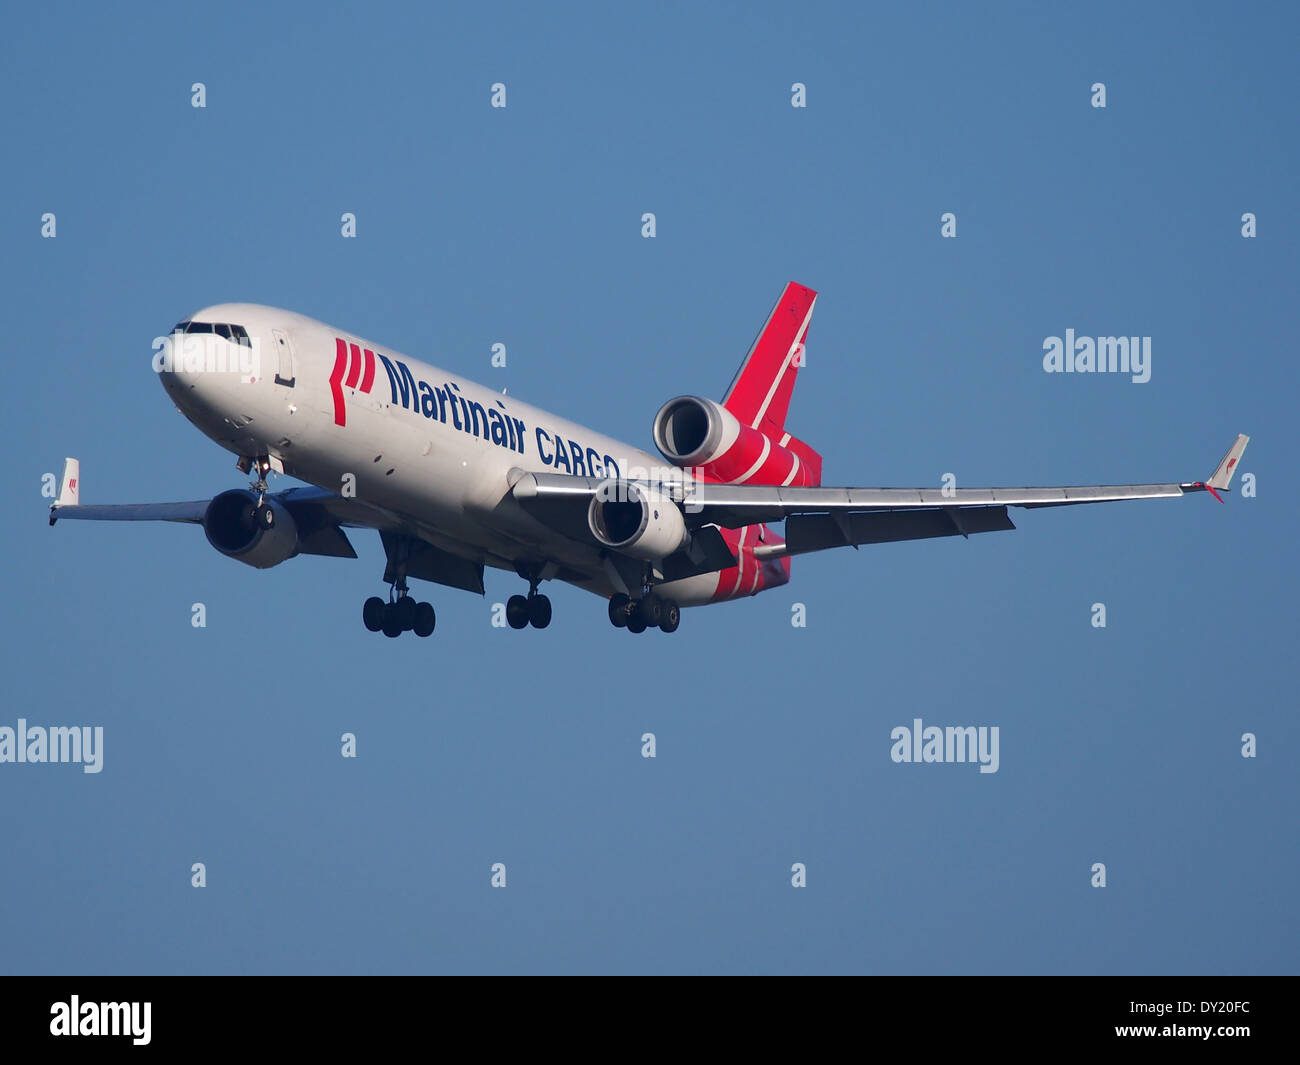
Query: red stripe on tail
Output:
(760,394)
(759,397)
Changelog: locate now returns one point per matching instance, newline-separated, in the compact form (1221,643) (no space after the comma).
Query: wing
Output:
(186,512)
(319,515)
(819,518)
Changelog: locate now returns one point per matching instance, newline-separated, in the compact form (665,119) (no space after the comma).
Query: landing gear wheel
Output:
(404,611)
(517,612)
(648,612)
(539,611)
(392,627)
(372,614)
(670,616)
(425,620)
(264,516)
(634,623)
(618,605)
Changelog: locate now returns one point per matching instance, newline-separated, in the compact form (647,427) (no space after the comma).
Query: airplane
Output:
(457,477)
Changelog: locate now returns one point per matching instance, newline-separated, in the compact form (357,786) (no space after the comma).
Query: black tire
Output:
(517,612)
(264,516)
(392,627)
(372,613)
(539,611)
(425,620)
(649,611)
(634,622)
(404,612)
(670,616)
(618,604)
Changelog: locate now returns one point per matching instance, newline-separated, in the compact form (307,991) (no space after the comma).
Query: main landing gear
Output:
(648,611)
(401,613)
(533,609)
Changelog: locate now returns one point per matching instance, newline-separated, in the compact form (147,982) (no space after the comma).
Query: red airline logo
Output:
(352,367)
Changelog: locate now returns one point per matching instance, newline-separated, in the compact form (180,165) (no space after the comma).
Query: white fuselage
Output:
(435,449)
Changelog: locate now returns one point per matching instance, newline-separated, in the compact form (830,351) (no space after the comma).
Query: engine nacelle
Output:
(232,530)
(700,434)
(636,520)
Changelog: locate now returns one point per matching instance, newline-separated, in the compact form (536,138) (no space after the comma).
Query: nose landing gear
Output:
(263,515)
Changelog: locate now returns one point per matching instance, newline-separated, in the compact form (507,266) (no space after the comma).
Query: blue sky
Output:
(523,226)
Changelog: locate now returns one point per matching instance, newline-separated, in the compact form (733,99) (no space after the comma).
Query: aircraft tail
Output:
(759,396)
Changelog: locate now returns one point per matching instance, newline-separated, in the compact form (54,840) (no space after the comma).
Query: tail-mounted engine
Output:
(698,433)
(231,525)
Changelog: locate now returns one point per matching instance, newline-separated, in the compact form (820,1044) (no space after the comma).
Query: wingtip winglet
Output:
(69,485)
(1222,476)
(69,488)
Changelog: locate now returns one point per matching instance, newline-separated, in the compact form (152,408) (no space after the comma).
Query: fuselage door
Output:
(284,374)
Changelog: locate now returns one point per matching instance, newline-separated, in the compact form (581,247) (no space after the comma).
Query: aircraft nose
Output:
(180,377)
(169,364)
(194,366)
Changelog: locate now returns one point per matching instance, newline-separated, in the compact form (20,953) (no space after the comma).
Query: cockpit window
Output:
(236,333)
